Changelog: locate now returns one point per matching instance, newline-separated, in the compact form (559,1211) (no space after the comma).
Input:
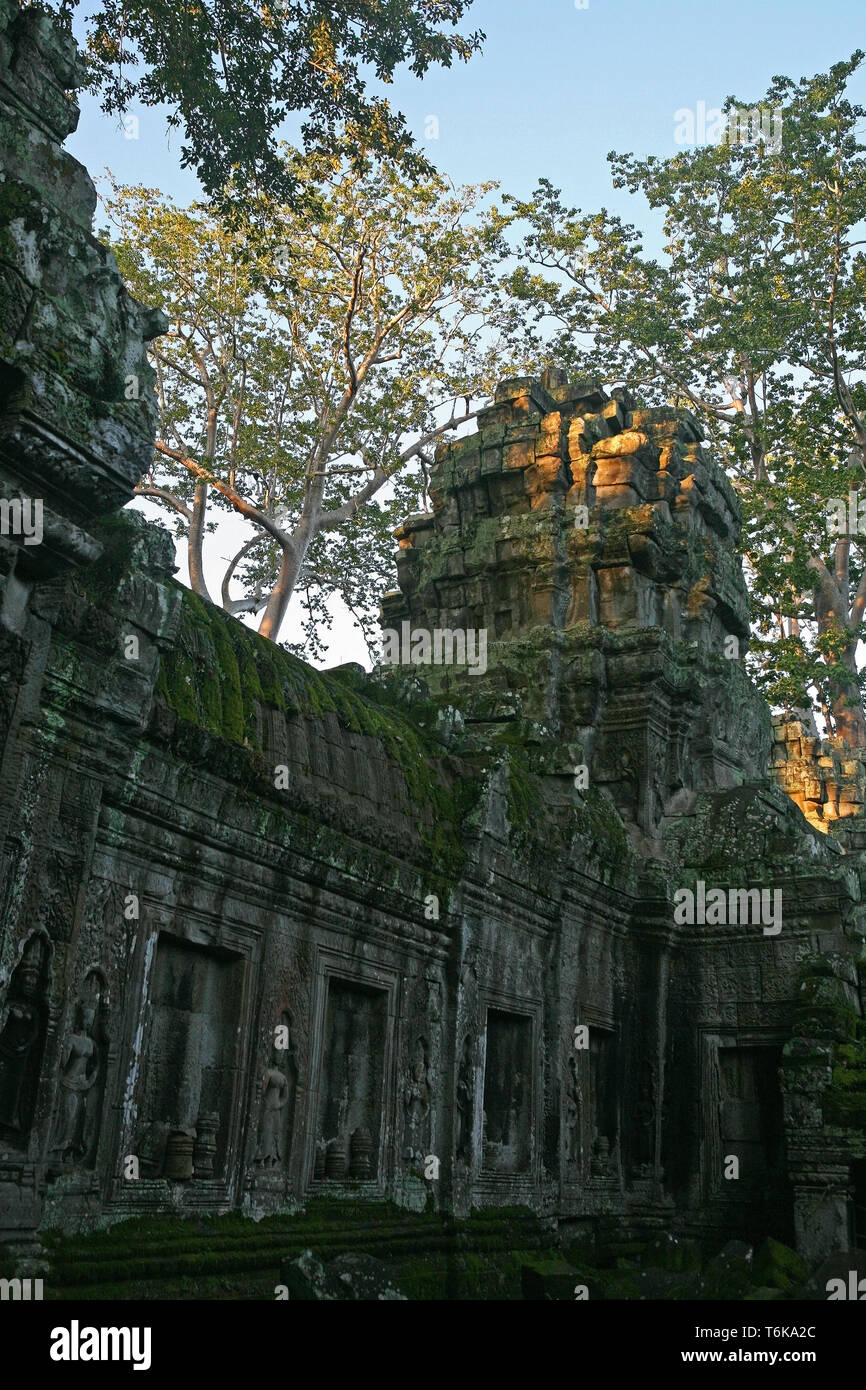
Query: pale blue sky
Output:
(557,87)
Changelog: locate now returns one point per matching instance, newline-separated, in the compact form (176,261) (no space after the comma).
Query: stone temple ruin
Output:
(269,935)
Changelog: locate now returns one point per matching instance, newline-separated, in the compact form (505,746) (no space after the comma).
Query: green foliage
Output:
(845,1099)
(230,74)
(307,372)
(755,320)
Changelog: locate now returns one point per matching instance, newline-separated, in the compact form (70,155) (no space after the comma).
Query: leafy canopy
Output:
(307,374)
(754,319)
(231,71)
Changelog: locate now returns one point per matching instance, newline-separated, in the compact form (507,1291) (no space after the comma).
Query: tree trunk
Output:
(281,593)
(196,541)
(846,702)
(843,692)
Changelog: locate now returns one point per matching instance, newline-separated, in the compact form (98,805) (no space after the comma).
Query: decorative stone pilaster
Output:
(823,1079)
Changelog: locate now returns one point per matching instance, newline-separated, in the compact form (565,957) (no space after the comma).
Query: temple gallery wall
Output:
(268,933)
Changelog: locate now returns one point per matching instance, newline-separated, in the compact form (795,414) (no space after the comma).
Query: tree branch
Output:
(245,508)
(165,496)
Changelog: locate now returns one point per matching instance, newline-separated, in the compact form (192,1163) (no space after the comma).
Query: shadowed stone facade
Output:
(268,933)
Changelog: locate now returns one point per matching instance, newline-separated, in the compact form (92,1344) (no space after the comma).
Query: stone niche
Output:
(602,1084)
(750,1115)
(191,1065)
(508,1075)
(348,1143)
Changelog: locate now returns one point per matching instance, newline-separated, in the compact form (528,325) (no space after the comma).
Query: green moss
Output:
(607,824)
(232,1256)
(777,1266)
(824,1018)
(218,679)
(845,1098)
(219,675)
(525,800)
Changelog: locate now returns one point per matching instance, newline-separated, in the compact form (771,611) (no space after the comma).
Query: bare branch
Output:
(163,495)
(245,508)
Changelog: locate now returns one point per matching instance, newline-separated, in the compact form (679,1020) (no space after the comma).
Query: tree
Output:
(297,382)
(756,322)
(231,71)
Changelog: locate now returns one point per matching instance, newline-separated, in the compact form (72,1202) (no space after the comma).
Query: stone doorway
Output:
(507,1133)
(348,1141)
(750,1113)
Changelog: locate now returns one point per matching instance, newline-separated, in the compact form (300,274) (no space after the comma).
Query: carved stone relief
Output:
(22,1038)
